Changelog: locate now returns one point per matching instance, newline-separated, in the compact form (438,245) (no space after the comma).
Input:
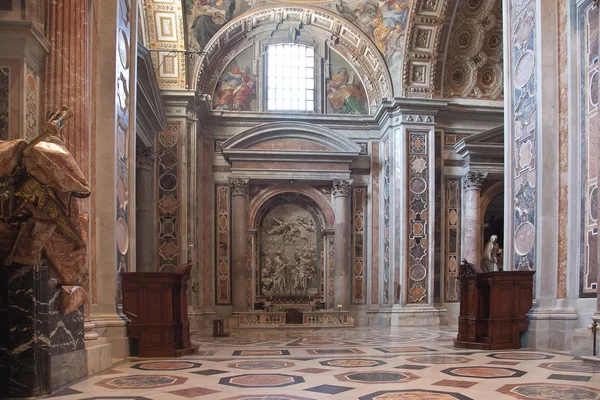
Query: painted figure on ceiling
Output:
(235,89)
(343,92)
(391,15)
(209,16)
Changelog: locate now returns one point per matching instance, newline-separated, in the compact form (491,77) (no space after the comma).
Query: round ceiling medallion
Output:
(123,49)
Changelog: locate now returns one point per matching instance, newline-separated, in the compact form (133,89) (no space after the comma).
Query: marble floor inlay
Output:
(343,364)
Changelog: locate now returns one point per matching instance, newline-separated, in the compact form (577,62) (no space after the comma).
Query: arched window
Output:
(290,77)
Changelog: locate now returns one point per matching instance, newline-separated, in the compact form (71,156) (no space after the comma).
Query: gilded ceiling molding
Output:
(165,32)
(423,36)
(473,65)
(346,38)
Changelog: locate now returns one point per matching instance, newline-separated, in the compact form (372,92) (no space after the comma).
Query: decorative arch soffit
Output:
(346,38)
(312,194)
(425,29)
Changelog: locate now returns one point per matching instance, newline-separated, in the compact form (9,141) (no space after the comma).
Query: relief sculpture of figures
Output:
(492,253)
(288,245)
(40,184)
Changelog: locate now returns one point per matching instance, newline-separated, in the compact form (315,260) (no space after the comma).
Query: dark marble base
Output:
(67,368)
(24,331)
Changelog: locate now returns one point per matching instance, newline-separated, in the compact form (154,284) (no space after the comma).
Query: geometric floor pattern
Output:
(343,364)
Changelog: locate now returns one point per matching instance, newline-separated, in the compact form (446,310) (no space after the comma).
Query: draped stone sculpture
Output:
(40,183)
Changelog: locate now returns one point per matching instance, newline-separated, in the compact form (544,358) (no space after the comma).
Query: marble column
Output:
(145,212)
(341,196)
(472,243)
(239,230)
(67,73)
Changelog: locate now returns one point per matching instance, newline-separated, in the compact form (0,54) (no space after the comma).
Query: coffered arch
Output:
(344,37)
(454,49)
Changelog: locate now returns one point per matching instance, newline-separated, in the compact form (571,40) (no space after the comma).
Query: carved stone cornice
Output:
(473,180)
(145,158)
(342,187)
(239,186)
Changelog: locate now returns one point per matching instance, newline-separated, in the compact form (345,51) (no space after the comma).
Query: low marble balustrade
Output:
(264,319)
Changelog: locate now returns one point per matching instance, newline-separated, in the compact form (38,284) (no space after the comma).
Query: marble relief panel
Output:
(452,261)
(223,245)
(359,273)
(289,249)
(589,24)
(375,218)
(125,103)
(236,87)
(418,217)
(345,91)
(4,102)
(523,90)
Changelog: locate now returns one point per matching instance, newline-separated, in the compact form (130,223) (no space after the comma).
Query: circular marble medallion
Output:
(166,366)
(353,363)
(123,49)
(261,364)
(484,372)
(524,69)
(524,238)
(417,272)
(168,138)
(418,185)
(167,182)
(122,236)
(141,381)
(414,394)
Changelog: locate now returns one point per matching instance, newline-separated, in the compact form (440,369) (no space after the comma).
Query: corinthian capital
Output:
(145,158)
(473,180)
(239,186)
(341,187)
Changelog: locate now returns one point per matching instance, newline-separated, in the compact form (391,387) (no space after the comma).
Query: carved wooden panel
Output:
(223,245)
(359,256)
(4,102)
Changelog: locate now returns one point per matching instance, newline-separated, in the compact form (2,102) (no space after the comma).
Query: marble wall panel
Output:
(223,245)
(418,217)
(452,248)
(563,145)
(168,197)
(4,102)
(125,80)
(589,15)
(208,283)
(523,55)
(330,262)
(375,218)
(359,245)
(387,254)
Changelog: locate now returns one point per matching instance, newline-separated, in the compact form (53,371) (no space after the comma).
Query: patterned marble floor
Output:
(356,363)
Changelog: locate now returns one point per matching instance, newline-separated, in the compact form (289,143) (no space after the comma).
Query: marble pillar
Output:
(532,165)
(239,228)
(341,204)
(66,82)
(113,246)
(145,212)
(472,244)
